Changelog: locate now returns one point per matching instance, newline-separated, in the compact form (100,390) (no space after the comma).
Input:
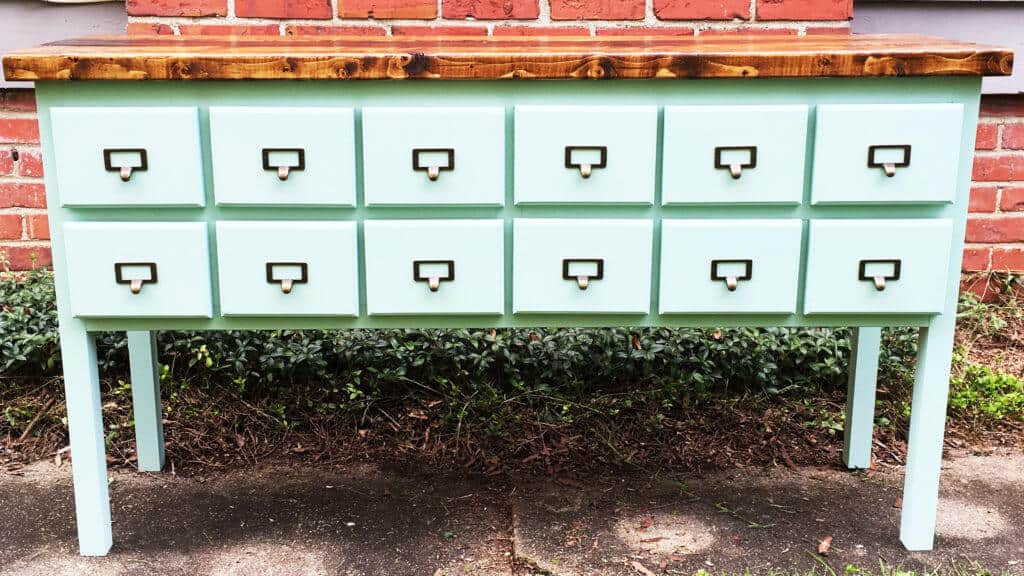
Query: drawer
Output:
(128,156)
(582,266)
(138,269)
(886,153)
(726,266)
(420,156)
(877,266)
(734,154)
(435,266)
(585,154)
(288,268)
(283,156)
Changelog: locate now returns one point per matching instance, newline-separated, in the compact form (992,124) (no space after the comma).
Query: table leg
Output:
(927,426)
(85,424)
(149,430)
(860,397)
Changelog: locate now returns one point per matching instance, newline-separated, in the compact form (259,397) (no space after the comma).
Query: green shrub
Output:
(982,392)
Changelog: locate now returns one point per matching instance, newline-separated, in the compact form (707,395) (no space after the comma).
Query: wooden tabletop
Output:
(465,58)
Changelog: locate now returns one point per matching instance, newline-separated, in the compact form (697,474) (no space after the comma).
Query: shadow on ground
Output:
(366,521)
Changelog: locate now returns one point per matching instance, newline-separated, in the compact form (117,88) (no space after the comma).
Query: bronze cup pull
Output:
(433,169)
(586,168)
(880,280)
(430,276)
(276,275)
(731,280)
(582,280)
(135,281)
(888,166)
(125,171)
(735,167)
(284,170)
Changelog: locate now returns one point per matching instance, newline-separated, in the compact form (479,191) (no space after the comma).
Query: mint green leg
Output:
(85,424)
(149,429)
(860,397)
(927,425)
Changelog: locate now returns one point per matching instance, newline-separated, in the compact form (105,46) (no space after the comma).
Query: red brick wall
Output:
(24,235)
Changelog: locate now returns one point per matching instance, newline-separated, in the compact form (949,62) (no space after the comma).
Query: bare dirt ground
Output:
(362,519)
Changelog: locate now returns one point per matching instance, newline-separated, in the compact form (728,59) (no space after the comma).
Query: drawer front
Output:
(730,266)
(138,269)
(283,156)
(886,153)
(435,267)
(734,154)
(288,268)
(585,154)
(582,266)
(128,156)
(877,266)
(419,156)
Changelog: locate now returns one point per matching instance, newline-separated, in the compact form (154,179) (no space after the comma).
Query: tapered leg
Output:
(927,426)
(88,453)
(860,397)
(149,429)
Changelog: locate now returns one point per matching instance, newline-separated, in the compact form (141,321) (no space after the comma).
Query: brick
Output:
(804,9)
(1008,259)
(975,258)
(20,100)
(19,130)
(309,9)
(748,31)
(229,29)
(190,8)
(541,31)
(26,257)
(10,226)
(6,163)
(1012,199)
(302,30)
(597,9)
(22,195)
(491,9)
(148,28)
(641,31)
(1013,136)
(827,30)
(995,230)
(998,168)
(702,9)
(987,137)
(30,164)
(439,31)
(1002,105)
(983,199)
(408,9)
(37,226)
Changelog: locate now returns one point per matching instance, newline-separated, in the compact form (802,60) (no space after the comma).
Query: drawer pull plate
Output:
(880,280)
(586,168)
(134,283)
(433,281)
(284,170)
(735,168)
(287,283)
(888,167)
(732,280)
(433,170)
(125,171)
(582,280)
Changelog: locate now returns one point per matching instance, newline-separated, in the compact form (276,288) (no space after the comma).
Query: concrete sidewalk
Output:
(296,519)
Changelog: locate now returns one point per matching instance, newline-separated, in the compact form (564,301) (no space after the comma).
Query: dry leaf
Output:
(898,504)
(636,342)
(641,568)
(646,522)
(825,545)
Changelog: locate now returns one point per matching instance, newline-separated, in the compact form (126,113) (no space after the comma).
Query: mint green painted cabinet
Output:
(730,266)
(284,156)
(734,154)
(288,268)
(136,269)
(121,156)
(434,156)
(585,154)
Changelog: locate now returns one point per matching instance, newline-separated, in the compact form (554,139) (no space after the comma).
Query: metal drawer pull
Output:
(582,280)
(586,168)
(735,167)
(277,274)
(880,279)
(433,280)
(125,170)
(433,169)
(284,169)
(888,166)
(731,280)
(128,273)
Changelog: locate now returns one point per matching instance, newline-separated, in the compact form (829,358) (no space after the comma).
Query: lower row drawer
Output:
(444,267)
